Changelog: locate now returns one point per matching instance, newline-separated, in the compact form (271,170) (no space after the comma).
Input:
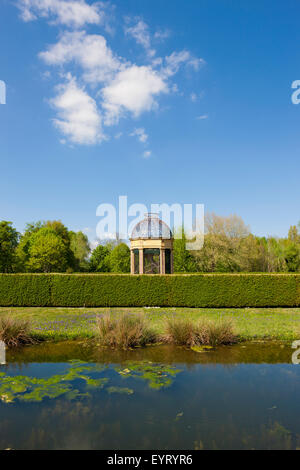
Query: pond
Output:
(74,395)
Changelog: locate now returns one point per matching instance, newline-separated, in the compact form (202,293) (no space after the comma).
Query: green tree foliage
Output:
(47,252)
(228,247)
(69,243)
(100,259)
(294,235)
(222,250)
(292,257)
(79,245)
(8,244)
(119,259)
(22,251)
(184,261)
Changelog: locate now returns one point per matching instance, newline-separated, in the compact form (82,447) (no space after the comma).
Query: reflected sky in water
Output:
(75,396)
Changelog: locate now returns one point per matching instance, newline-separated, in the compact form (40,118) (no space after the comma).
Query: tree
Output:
(100,259)
(292,257)
(222,244)
(184,261)
(8,243)
(80,248)
(119,259)
(293,235)
(47,252)
(24,251)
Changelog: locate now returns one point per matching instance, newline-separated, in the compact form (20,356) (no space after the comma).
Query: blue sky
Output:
(162,101)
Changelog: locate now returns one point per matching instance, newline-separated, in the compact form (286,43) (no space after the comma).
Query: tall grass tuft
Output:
(180,331)
(215,333)
(185,332)
(124,331)
(15,331)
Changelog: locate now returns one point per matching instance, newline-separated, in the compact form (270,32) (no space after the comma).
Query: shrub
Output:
(180,331)
(15,332)
(124,331)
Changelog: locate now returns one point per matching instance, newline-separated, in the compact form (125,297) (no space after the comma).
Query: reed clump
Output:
(180,331)
(15,332)
(184,332)
(215,333)
(124,331)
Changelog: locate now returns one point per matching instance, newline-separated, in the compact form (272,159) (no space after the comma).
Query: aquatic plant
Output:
(15,331)
(124,331)
(33,389)
(122,390)
(157,375)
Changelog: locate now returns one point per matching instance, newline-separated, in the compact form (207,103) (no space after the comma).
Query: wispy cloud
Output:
(76,13)
(162,35)
(147,154)
(177,59)
(140,134)
(140,32)
(200,118)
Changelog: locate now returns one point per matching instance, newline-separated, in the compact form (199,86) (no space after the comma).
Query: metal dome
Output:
(151,228)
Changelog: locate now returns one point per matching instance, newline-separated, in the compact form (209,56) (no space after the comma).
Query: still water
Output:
(75,396)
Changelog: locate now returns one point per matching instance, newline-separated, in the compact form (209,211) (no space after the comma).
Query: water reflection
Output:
(75,396)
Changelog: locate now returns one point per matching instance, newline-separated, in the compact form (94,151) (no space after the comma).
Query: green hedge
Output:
(114,290)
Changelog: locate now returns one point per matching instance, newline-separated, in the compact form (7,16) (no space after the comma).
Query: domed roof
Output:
(151,228)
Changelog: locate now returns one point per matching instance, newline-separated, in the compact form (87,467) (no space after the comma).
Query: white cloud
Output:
(74,13)
(176,59)
(90,51)
(140,32)
(133,90)
(140,134)
(119,87)
(200,118)
(162,35)
(78,117)
(197,96)
(147,154)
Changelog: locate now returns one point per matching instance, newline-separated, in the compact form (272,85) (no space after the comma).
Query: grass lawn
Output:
(250,323)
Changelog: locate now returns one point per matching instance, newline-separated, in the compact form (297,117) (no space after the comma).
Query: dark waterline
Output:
(76,396)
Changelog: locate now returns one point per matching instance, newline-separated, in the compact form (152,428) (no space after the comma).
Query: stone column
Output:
(162,261)
(141,261)
(132,261)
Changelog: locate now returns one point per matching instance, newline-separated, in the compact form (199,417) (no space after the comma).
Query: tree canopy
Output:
(8,243)
(229,246)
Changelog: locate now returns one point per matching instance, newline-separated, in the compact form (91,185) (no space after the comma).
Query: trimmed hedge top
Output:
(121,290)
